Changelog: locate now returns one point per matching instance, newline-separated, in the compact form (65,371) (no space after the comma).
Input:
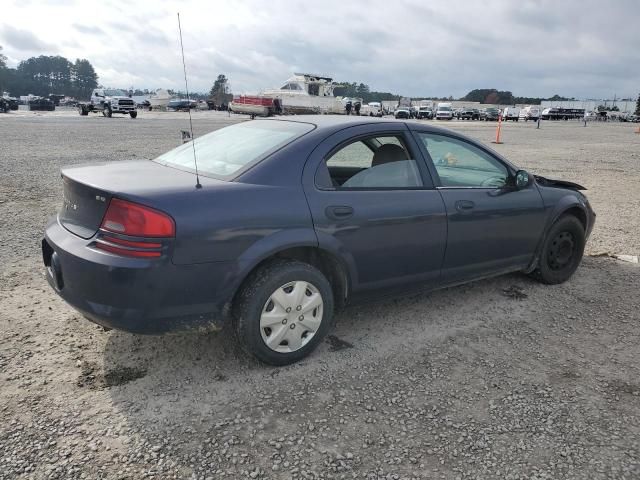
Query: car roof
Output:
(329,124)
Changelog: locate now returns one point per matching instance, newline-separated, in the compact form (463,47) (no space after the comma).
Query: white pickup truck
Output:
(511,113)
(109,101)
(444,111)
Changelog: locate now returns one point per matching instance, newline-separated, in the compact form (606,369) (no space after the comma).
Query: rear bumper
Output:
(136,295)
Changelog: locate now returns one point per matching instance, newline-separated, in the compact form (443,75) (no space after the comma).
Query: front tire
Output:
(107,111)
(283,312)
(562,251)
(133,114)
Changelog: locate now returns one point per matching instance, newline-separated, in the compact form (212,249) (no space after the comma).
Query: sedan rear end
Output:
(109,252)
(143,246)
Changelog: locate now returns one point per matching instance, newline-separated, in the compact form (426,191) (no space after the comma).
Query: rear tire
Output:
(260,312)
(562,251)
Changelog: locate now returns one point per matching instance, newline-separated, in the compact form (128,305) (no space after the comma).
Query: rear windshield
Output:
(227,151)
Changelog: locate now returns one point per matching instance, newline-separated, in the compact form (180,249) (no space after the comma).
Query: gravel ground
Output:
(504,378)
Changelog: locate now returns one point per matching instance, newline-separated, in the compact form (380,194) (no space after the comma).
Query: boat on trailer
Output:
(160,98)
(305,93)
(255,105)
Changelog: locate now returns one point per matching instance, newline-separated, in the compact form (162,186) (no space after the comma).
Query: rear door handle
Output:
(465,205)
(339,212)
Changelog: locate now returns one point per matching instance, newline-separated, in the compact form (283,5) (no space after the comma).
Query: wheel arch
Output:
(567,206)
(327,262)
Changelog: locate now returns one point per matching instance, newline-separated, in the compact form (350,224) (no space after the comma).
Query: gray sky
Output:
(581,48)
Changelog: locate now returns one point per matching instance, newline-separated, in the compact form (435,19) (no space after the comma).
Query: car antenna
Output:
(186,86)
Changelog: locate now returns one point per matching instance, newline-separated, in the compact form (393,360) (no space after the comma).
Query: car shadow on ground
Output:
(214,366)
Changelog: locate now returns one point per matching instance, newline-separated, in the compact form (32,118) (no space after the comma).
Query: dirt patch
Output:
(91,376)
(515,291)
(620,386)
(336,344)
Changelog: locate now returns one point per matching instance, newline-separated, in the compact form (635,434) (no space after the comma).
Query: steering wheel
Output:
(495,181)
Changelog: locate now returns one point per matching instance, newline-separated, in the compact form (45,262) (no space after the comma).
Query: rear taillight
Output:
(134,220)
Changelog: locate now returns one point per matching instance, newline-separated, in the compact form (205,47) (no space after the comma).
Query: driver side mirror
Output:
(523,179)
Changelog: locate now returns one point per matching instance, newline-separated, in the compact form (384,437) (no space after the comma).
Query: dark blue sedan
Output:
(291,219)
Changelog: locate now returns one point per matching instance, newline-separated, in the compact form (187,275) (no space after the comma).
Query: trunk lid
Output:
(83,207)
(88,189)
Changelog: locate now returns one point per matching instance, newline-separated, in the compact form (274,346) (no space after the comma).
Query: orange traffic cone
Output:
(498,128)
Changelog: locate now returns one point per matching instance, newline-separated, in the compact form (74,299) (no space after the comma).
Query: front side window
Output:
(460,164)
(225,152)
(373,162)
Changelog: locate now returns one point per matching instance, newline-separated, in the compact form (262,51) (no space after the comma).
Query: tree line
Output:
(45,75)
(482,95)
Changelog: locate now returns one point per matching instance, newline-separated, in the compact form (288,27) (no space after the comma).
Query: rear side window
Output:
(227,151)
(370,163)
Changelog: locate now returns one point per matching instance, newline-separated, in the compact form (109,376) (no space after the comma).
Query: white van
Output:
(532,112)
(511,113)
(444,111)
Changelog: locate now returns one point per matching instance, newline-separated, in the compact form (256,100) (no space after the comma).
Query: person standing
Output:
(348,107)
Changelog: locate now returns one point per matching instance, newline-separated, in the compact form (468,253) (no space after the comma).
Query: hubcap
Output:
(291,316)
(561,251)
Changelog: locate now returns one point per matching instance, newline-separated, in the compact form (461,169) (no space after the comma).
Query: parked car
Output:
(181,105)
(402,113)
(489,113)
(40,104)
(108,101)
(424,113)
(444,112)
(469,114)
(11,103)
(291,219)
(530,113)
(511,113)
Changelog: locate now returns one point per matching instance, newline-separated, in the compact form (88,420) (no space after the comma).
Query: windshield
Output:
(114,92)
(225,152)
(444,109)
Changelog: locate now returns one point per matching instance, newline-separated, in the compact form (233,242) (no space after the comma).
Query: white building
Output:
(625,106)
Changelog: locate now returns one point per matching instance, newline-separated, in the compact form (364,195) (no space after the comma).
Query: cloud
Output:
(88,30)
(25,41)
(581,48)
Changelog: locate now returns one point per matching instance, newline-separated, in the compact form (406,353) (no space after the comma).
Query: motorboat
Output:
(255,105)
(160,98)
(305,93)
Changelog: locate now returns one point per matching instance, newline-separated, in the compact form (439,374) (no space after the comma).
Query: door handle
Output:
(339,212)
(465,205)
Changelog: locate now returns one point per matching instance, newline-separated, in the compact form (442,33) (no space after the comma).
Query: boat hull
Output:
(258,110)
(301,104)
